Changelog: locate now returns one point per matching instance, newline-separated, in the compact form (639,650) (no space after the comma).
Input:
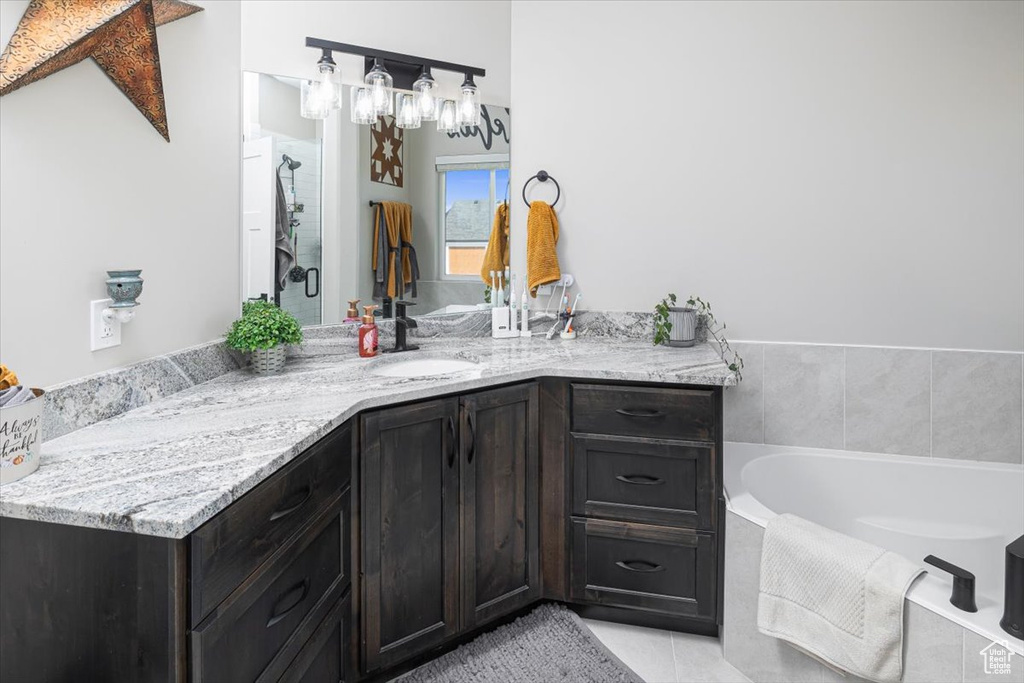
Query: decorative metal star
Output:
(120,35)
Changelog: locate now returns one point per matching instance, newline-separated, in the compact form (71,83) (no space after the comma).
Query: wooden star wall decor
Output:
(386,157)
(120,36)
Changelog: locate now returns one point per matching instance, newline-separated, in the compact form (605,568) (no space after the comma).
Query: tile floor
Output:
(665,656)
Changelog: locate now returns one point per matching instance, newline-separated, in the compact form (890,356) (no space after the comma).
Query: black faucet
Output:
(963,584)
(403,324)
(1013,606)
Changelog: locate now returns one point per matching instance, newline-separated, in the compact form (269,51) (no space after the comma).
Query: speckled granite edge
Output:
(82,402)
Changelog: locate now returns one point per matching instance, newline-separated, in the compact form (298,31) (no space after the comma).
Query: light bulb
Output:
(423,95)
(362,106)
(446,117)
(408,114)
(380,83)
(311,104)
(468,112)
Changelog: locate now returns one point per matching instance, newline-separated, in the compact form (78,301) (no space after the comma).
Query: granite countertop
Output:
(165,468)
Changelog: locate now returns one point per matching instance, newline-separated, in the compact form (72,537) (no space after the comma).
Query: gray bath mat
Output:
(549,644)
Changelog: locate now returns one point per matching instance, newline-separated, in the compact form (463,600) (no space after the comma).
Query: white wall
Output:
(831,172)
(88,185)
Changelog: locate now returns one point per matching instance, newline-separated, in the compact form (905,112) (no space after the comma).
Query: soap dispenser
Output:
(352,314)
(368,337)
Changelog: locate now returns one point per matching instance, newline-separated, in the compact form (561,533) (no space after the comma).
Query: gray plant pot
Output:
(268,361)
(684,326)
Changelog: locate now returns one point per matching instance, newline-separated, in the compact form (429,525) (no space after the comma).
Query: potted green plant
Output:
(263,331)
(674,325)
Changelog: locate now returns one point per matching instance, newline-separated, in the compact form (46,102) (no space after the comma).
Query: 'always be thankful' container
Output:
(20,443)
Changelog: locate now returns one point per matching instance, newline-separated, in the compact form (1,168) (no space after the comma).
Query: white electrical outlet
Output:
(103,332)
(548,290)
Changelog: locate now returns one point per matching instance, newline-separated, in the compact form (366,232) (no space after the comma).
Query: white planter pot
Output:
(684,326)
(268,361)
(20,443)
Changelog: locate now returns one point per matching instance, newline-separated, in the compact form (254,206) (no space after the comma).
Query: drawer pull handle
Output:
(471,421)
(640,566)
(303,494)
(451,442)
(301,588)
(641,412)
(641,479)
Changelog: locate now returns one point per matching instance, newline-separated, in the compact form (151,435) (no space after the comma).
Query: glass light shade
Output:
(468,111)
(446,122)
(325,91)
(407,113)
(362,106)
(380,83)
(310,104)
(424,90)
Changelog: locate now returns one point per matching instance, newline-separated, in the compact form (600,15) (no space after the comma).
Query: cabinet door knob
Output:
(642,479)
(640,566)
(471,421)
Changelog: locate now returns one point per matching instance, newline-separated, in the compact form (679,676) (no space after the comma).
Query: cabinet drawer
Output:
(657,569)
(644,411)
(324,657)
(232,545)
(259,629)
(644,480)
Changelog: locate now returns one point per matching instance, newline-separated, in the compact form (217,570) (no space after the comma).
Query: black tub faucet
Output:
(403,324)
(963,584)
(1013,606)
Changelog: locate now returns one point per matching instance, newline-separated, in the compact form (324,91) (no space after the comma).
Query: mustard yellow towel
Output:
(7,378)
(496,255)
(541,240)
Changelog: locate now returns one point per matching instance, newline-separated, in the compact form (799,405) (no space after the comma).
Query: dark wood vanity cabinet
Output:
(401,532)
(449,515)
(646,495)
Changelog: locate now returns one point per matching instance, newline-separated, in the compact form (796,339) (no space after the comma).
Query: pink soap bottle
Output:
(368,338)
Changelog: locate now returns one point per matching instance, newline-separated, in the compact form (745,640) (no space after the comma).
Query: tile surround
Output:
(803,395)
(888,407)
(946,404)
(976,400)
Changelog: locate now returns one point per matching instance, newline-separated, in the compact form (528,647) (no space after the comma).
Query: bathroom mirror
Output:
(453,182)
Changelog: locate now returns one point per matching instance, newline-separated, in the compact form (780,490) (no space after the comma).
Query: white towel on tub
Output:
(835,597)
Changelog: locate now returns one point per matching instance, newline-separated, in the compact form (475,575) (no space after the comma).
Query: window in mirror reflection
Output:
(470,196)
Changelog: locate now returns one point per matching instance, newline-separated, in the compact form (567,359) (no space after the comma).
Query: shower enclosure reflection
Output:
(281,198)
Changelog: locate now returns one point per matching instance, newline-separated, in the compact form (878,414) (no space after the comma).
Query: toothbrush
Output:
(494,290)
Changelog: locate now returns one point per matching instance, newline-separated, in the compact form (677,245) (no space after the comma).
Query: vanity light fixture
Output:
(323,94)
(381,84)
(468,111)
(424,90)
(446,119)
(386,72)
(408,114)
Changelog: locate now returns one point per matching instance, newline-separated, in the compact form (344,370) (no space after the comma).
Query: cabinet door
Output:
(410,530)
(498,491)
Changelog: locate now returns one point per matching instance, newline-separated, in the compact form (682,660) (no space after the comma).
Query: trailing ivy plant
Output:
(263,325)
(662,324)
(716,331)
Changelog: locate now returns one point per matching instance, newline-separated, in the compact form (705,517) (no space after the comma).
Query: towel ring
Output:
(543,177)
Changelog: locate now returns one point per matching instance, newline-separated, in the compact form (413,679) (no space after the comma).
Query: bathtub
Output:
(964,512)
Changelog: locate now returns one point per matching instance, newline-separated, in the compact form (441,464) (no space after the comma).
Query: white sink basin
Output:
(424,367)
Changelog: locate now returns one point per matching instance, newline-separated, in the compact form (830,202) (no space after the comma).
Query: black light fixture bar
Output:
(372,53)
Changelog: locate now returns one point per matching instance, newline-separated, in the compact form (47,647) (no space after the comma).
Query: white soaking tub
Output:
(961,511)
